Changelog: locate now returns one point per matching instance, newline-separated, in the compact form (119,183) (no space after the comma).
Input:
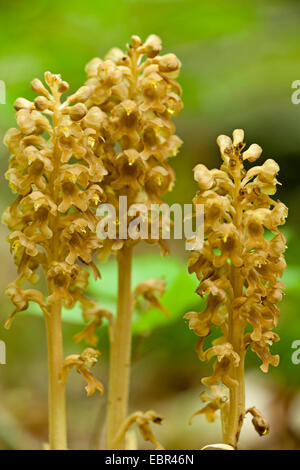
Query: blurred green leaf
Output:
(291,278)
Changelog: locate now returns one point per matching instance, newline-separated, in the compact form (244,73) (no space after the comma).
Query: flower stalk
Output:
(56,389)
(56,392)
(236,411)
(120,353)
(239,269)
(52,221)
(134,99)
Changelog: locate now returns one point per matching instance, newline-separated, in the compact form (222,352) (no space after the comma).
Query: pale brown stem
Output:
(120,353)
(236,411)
(56,389)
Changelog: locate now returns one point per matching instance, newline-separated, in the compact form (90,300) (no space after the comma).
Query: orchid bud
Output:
(253,153)
(152,46)
(225,144)
(203,177)
(169,63)
(238,137)
(63,87)
(22,103)
(136,41)
(77,112)
(38,87)
(42,103)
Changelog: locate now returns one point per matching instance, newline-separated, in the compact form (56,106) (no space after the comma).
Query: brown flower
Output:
(136,97)
(150,290)
(142,420)
(82,363)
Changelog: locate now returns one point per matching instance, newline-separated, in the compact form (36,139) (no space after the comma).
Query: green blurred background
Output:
(239,61)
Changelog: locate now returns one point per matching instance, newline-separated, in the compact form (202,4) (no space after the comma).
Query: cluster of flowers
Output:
(111,138)
(239,265)
(56,175)
(134,98)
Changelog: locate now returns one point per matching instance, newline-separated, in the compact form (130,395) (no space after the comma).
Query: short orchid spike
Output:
(239,269)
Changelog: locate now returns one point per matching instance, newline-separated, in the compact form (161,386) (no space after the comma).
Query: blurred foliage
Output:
(239,60)
(176,299)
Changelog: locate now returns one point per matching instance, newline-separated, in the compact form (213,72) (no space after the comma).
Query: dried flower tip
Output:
(225,144)
(152,46)
(151,290)
(169,63)
(253,153)
(38,87)
(260,424)
(238,137)
(143,421)
(22,103)
(203,177)
(77,112)
(41,103)
(88,333)
(90,356)
(82,363)
(21,298)
(208,410)
(215,401)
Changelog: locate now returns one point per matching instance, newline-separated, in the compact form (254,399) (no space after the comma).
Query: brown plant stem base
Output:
(120,352)
(56,395)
